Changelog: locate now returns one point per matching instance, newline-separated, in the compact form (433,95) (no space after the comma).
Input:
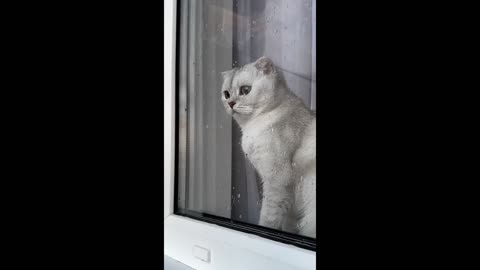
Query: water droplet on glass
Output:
(254,22)
(238,195)
(272,130)
(276,31)
(206,126)
(240,216)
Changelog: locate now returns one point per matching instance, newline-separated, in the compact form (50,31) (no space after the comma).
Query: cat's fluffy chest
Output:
(251,139)
(260,134)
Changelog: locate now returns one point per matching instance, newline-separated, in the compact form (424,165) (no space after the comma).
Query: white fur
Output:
(278,136)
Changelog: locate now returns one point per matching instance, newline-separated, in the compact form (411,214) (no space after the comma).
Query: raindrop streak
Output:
(240,216)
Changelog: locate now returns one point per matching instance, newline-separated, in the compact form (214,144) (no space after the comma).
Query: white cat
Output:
(278,137)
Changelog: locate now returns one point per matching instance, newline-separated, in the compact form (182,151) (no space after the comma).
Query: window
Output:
(234,60)
(215,181)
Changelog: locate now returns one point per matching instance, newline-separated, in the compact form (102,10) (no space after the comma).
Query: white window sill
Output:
(171,264)
(230,249)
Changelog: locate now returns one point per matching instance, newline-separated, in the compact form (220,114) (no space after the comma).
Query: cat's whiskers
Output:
(243,109)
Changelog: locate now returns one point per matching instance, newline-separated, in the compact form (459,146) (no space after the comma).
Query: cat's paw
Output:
(270,222)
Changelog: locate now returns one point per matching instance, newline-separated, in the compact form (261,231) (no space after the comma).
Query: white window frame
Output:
(229,249)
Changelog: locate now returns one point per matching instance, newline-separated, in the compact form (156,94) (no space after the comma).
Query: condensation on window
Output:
(215,175)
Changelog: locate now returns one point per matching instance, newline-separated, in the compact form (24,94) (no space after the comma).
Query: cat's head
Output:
(249,88)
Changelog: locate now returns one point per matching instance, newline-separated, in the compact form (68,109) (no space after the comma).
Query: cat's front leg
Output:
(277,196)
(276,204)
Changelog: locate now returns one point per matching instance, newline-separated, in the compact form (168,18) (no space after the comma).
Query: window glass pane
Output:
(246,112)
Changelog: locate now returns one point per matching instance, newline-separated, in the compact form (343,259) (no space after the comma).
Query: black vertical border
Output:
(177,103)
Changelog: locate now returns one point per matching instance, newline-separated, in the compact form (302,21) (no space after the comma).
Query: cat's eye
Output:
(226,94)
(244,90)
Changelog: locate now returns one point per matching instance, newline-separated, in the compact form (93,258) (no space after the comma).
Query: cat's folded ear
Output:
(224,74)
(265,65)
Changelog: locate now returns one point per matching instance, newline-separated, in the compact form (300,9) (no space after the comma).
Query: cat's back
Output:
(295,120)
(306,154)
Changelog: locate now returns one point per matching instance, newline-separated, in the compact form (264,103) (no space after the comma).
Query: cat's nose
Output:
(231,103)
